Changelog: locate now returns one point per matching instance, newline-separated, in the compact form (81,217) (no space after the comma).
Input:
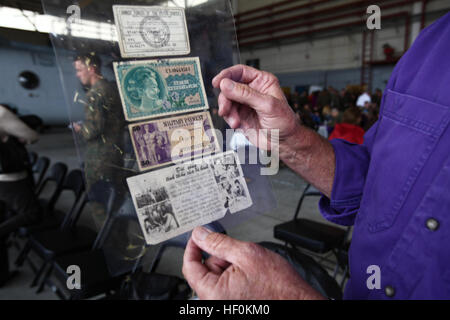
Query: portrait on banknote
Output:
(174,200)
(159,142)
(151,31)
(157,88)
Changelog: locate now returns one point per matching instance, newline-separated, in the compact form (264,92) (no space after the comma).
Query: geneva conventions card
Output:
(160,142)
(150,31)
(174,200)
(157,88)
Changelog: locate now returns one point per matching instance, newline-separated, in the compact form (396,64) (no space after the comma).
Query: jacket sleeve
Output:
(352,164)
(93,124)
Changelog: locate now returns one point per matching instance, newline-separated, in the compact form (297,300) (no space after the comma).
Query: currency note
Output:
(151,31)
(174,200)
(160,142)
(156,88)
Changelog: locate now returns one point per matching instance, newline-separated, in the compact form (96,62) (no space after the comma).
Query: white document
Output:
(174,200)
(151,31)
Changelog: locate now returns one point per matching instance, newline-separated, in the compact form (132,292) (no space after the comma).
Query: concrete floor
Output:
(287,187)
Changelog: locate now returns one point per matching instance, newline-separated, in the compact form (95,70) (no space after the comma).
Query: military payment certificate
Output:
(157,88)
(160,142)
(174,200)
(150,31)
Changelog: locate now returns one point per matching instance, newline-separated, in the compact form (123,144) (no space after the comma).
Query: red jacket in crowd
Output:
(348,132)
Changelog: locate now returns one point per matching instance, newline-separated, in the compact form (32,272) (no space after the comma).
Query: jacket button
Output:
(432,224)
(390,291)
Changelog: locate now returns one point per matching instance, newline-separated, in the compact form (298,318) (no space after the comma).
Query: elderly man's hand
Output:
(253,99)
(240,270)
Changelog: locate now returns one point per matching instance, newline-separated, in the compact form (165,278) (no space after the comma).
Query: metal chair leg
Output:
(344,276)
(44,279)
(157,258)
(23,254)
(38,274)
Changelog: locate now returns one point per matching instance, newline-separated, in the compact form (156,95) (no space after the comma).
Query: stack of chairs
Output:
(59,241)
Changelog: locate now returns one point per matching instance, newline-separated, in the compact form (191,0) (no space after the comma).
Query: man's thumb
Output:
(242,93)
(218,244)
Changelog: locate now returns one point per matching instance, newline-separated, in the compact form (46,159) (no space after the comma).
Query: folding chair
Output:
(96,277)
(74,184)
(313,236)
(49,244)
(56,175)
(39,169)
(32,158)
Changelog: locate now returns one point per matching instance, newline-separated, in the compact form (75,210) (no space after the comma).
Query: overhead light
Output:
(32,21)
(14,18)
(194,3)
(185,3)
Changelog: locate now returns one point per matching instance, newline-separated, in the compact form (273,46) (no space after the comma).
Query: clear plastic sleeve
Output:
(100,131)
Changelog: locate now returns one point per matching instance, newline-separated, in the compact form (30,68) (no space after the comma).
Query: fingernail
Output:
(201,233)
(228,84)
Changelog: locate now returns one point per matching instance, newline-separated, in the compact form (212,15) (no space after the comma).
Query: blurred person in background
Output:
(103,124)
(349,130)
(324,98)
(18,203)
(304,113)
(363,99)
(326,114)
(376,97)
(103,132)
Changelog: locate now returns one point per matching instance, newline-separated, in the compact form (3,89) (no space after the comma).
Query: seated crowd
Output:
(347,114)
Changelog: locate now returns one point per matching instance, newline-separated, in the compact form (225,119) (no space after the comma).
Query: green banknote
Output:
(157,88)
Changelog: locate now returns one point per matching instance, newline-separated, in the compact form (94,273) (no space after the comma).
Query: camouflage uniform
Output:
(103,130)
(103,133)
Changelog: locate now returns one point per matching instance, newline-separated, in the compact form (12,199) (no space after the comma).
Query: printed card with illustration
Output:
(174,200)
(158,88)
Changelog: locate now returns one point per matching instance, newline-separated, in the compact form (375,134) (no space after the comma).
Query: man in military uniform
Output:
(102,129)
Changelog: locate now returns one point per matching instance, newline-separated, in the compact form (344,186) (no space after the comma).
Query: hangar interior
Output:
(322,52)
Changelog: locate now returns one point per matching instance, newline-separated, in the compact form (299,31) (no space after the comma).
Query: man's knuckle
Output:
(244,91)
(269,78)
(271,104)
(217,240)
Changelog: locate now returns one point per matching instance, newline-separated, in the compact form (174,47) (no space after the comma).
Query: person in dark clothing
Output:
(376,97)
(304,113)
(19,205)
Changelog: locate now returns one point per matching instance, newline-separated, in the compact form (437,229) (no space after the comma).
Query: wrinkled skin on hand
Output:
(253,99)
(240,270)
(250,100)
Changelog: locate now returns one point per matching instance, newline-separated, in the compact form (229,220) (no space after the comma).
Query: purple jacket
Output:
(395,188)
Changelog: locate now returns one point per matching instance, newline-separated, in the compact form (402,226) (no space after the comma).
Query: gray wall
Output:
(48,100)
(336,78)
